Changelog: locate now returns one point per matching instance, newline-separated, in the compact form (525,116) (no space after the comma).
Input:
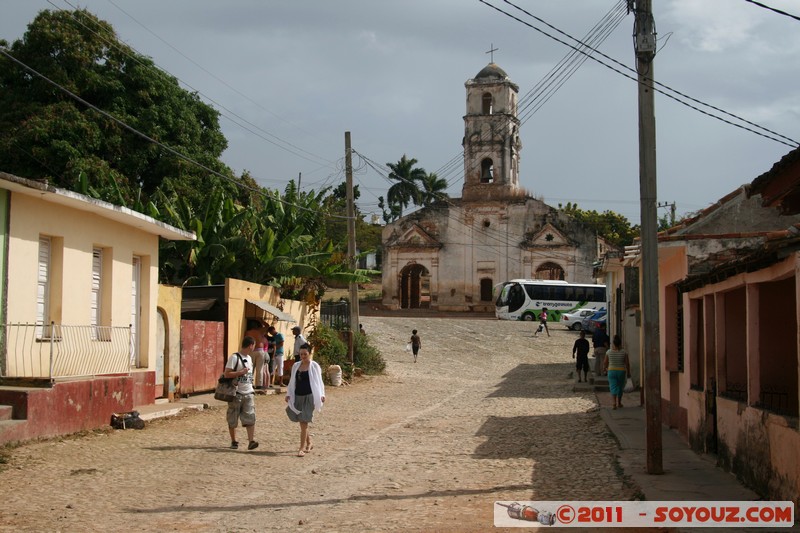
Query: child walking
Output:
(416,344)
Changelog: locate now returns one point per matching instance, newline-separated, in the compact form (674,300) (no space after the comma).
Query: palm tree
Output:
(406,189)
(433,188)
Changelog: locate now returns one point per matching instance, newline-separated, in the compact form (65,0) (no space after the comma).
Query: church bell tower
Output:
(491,137)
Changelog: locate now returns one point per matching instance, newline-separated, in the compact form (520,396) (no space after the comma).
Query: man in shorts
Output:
(243,407)
(277,357)
(581,349)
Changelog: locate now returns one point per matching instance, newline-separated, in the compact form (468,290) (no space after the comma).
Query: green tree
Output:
(433,188)
(406,190)
(44,133)
(612,226)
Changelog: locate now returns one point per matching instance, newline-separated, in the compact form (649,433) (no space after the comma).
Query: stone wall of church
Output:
(467,244)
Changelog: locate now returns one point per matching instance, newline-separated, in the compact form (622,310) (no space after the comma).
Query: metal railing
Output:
(335,315)
(54,351)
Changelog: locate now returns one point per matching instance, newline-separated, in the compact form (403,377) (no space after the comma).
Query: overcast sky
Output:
(290,77)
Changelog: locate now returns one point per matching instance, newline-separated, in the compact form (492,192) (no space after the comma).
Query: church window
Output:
(486,289)
(486,223)
(549,237)
(487,104)
(487,171)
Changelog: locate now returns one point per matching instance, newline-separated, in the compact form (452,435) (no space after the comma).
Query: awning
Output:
(193,305)
(271,309)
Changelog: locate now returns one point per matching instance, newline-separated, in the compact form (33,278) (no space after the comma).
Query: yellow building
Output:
(80,288)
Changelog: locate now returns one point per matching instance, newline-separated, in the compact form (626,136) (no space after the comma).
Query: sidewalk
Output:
(163,408)
(687,475)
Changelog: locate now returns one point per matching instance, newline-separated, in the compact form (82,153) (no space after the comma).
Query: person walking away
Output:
(618,367)
(304,395)
(581,350)
(243,407)
(256,329)
(277,357)
(600,342)
(299,340)
(416,344)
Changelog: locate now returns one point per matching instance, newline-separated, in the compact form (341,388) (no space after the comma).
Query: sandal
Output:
(309,448)
(301,453)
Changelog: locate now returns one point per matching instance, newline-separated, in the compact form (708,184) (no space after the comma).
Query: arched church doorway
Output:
(415,287)
(549,271)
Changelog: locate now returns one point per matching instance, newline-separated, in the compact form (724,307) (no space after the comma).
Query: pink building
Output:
(729,330)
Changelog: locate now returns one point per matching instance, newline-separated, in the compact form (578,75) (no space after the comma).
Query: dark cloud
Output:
(393,74)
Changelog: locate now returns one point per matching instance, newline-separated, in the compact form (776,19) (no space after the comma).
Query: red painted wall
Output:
(202,355)
(73,406)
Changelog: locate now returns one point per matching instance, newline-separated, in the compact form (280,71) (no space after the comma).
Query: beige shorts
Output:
(243,409)
(277,365)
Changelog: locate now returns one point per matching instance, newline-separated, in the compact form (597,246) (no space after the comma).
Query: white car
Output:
(573,320)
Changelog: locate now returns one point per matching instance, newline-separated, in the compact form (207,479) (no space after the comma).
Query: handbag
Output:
(226,387)
(628,385)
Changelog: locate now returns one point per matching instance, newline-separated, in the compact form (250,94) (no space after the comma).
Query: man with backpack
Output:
(243,407)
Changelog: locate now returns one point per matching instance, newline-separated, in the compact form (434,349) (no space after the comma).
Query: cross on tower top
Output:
(491,51)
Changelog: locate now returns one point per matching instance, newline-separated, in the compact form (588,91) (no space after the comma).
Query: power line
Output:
(759,4)
(777,136)
(114,43)
(147,138)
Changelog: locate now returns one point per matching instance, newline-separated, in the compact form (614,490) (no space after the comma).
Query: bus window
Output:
(598,294)
(516,297)
(558,293)
(570,293)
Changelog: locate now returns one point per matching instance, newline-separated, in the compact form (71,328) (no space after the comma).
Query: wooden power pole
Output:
(351,242)
(645,48)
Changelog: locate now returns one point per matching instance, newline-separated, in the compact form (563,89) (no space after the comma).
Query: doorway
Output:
(415,292)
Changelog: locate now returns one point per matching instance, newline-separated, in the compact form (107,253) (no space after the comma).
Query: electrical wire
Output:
(147,138)
(659,87)
(759,4)
(277,140)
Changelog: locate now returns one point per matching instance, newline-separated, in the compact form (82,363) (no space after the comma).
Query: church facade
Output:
(451,255)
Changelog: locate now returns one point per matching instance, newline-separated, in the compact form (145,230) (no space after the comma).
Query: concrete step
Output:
(600,383)
(6,412)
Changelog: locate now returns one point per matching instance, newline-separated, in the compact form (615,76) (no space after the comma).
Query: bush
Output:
(367,357)
(329,349)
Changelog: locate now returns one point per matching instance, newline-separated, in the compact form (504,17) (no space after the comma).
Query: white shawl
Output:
(317,386)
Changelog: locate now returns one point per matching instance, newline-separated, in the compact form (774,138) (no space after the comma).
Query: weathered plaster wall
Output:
(760,448)
(73,406)
(483,240)
(169,304)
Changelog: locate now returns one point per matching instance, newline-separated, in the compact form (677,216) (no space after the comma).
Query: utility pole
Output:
(351,243)
(671,211)
(299,180)
(645,48)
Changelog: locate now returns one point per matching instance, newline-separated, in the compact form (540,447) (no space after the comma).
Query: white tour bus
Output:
(523,299)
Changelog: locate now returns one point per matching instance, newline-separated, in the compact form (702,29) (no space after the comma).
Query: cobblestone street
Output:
(488,413)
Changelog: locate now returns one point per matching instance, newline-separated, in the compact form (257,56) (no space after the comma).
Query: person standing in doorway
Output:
(256,329)
(304,395)
(277,357)
(542,323)
(581,349)
(416,344)
(242,408)
(299,340)
(618,367)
